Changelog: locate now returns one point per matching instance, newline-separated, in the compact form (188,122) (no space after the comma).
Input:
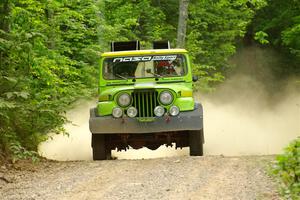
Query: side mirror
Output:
(195,78)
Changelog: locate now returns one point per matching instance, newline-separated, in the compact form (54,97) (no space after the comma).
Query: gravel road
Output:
(208,177)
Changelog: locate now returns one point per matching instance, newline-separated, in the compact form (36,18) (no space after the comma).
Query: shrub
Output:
(287,169)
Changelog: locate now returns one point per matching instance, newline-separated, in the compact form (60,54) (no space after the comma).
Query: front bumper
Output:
(188,120)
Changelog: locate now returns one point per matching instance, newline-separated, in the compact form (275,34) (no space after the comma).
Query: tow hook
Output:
(123,120)
(167,118)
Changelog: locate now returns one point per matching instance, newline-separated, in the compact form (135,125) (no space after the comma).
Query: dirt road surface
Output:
(183,177)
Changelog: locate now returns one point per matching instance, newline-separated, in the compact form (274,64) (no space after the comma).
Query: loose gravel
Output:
(208,177)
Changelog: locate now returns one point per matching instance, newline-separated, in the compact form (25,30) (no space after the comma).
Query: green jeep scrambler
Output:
(145,100)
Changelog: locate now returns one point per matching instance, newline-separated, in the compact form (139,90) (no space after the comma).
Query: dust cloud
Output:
(250,114)
(250,125)
(77,144)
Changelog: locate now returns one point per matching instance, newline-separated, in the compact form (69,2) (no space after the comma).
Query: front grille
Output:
(145,101)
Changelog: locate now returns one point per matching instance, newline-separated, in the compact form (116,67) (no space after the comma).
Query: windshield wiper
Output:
(122,77)
(150,72)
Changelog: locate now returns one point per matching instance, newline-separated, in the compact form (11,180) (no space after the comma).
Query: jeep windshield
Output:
(144,66)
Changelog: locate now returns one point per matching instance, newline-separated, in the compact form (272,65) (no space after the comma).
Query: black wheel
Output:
(100,151)
(196,140)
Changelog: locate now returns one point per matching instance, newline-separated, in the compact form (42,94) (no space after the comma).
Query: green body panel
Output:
(185,103)
(105,107)
(180,87)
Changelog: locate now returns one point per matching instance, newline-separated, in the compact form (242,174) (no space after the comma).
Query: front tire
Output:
(100,151)
(196,140)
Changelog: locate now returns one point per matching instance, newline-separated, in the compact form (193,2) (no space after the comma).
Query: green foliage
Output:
(212,33)
(290,37)
(48,59)
(280,22)
(207,78)
(280,19)
(261,37)
(134,20)
(287,169)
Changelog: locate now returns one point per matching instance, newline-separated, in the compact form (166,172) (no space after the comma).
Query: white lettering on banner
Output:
(171,57)
(145,58)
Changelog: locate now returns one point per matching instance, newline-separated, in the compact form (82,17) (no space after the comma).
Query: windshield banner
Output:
(145,58)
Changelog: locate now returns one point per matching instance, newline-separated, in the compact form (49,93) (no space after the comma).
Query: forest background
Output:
(49,51)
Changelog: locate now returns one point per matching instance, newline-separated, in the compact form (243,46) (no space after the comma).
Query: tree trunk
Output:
(4,26)
(52,33)
(182,21)
(4,15)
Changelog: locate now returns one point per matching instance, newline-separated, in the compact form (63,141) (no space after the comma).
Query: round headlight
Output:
(124,100)
(174,110)
(117,112)
(166,97)
(132,112)
(159,111)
